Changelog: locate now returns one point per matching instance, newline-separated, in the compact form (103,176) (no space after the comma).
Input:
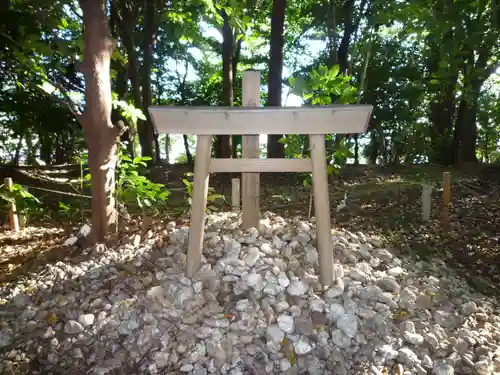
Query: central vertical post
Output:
(322,208)
(250,204)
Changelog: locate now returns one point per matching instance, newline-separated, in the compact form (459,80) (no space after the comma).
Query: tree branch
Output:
(64,80)
(71,6)
(72,106)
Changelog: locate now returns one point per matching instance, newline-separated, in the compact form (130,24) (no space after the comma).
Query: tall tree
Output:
(150,28)
(275,149)
(223,142)
(127,13)
(100,134)
(459,62)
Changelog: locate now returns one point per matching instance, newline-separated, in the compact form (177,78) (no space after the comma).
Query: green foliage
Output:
(135,190)
(213,199)
(294,145)
(26,203)
(323,86)
(127,110)
(423,76)
(70,212)
(489,127)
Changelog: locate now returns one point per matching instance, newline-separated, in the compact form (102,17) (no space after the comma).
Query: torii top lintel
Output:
(332,119)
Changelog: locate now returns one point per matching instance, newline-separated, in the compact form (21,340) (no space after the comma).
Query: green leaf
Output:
(213,197)
(139,202)
(334,71)
(64,23)
(63,206)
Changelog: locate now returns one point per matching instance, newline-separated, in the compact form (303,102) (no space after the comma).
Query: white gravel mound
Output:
(255,307)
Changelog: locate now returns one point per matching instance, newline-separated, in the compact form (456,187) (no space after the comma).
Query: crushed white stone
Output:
(255,304)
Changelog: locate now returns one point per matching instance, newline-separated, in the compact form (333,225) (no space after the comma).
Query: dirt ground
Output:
(383,201)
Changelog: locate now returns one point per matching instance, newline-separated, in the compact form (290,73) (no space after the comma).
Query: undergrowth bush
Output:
(134,190)
(26,203)
(213,199)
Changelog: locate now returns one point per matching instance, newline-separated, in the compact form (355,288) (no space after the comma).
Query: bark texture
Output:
(100,134)
(275,149)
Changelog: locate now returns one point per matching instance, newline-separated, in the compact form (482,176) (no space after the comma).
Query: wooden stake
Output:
(322,208)
(426,202)
(235,194)
(445,215)
(22,217)
(309,213)
(250,204)
(13,219)
(198,204)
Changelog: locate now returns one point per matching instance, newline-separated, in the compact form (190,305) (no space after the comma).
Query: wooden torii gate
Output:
(251,121)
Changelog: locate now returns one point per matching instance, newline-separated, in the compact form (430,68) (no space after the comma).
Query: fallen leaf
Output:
(400,314)
(52,319)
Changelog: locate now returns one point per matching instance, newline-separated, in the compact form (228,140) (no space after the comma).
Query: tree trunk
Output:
(223,142)
(126,19)
(100,134)
(340,54)
(465,135)
(469,134)
(186,148)
(121,86)
(275,149)
(147,63)
(59,152)
(45,148)
(167,148)
(374,149)
(19,147)
(236,58)
(127,26)
(343,50)
(442,106)
(465,132)
(236,139)
(356,149)
(22,121)
(159,92)
(30,158)
(442,113)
